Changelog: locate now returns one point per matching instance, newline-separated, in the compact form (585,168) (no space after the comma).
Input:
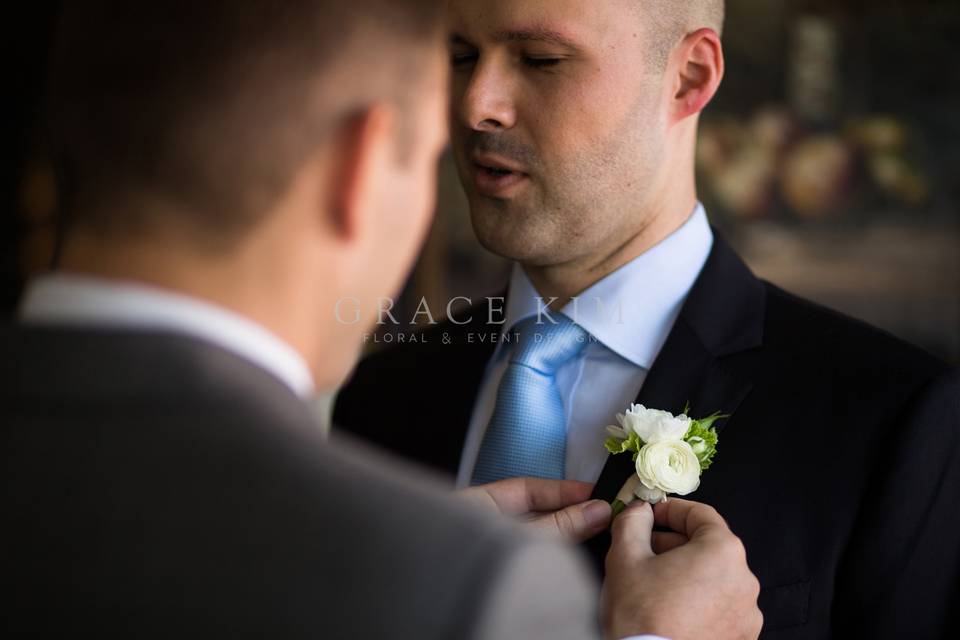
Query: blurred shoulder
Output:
(474,572)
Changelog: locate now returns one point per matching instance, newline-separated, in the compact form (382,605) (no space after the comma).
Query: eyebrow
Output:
(535,34)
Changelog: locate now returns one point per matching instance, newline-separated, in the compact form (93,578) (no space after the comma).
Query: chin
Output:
(527,230)
(508,239)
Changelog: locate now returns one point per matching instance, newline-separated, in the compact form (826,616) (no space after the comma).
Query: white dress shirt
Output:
(83,301)
(630,314)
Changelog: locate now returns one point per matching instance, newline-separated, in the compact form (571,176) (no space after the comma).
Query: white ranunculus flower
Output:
(671,467)
(654,425)
(617,432)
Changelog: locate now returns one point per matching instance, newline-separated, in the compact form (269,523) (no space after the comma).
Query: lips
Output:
(497,177)
(496,162)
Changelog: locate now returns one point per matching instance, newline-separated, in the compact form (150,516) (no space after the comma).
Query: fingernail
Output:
(596,513)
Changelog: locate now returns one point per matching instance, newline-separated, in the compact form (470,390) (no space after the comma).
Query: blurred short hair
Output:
(666,22)
(207,108)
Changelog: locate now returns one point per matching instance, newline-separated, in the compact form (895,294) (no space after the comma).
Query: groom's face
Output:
(557,123)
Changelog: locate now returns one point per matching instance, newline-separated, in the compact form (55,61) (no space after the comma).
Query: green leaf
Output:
(616,446)
(707,422)
(702,437)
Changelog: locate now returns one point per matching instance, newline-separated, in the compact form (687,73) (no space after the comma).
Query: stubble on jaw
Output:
(578,205)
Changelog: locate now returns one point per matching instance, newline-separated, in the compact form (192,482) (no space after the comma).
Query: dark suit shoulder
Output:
(430,343)
(486,579)
(188,492)
(814,335)
(431,384)
(420,559)
(392,373)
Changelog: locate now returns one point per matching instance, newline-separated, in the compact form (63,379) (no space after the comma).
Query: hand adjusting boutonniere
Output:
(670,452)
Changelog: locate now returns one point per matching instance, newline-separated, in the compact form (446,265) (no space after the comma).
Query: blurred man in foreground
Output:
(231,169)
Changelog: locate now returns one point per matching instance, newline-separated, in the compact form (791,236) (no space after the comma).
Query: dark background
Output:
(28,30)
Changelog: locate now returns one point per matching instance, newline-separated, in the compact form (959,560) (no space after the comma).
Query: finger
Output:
(692,519)
(516,496)
(576,523)
(757,626)
(551,495)
(663,541)
(631,533)
(480,497)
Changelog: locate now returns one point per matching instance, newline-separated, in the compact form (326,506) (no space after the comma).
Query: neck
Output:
(267,290)
(673,198)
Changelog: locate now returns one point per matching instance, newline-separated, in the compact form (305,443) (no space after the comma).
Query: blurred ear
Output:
(698,66)
(363,156)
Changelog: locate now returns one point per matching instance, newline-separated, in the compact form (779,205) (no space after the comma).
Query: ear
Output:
(698,67)
(362,156)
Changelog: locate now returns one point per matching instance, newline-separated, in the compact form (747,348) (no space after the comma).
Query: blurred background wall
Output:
(830,159)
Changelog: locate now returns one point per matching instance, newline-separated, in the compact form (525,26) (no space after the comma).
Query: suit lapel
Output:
(461,367)
(723,315)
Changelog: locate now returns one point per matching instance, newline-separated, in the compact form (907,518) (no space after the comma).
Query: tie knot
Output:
(546,346)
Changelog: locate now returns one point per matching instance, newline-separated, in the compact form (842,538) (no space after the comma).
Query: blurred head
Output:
(573,120)
(290,146)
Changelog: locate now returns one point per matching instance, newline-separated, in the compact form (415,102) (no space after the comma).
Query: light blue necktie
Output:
(527,435)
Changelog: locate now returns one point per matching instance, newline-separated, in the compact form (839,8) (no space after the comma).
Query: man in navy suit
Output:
(574,126)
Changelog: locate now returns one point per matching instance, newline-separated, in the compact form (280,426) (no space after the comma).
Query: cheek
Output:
(572,115)
(426,195)
(458,87)
(414,212)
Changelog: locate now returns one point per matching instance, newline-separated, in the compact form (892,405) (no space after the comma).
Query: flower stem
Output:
(617,506)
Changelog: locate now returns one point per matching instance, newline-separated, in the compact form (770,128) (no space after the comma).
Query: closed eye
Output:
(541,63)
(460,60)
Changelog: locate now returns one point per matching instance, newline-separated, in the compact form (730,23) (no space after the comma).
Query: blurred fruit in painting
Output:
(817,175)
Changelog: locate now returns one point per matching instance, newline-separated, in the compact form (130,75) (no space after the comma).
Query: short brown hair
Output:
(210,106)
(666,22)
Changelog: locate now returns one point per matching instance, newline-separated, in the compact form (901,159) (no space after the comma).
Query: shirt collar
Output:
(632,310)
(74,300)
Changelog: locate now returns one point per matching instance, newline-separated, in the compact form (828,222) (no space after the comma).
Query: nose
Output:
(486,103)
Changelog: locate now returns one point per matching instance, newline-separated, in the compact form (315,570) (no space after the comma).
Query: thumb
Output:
(576,523)
(631,532)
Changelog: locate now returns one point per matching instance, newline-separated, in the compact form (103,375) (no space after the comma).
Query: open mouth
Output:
(493,179)
(496,172)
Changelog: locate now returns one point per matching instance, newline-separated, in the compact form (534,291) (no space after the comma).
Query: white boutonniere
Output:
(670,452)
